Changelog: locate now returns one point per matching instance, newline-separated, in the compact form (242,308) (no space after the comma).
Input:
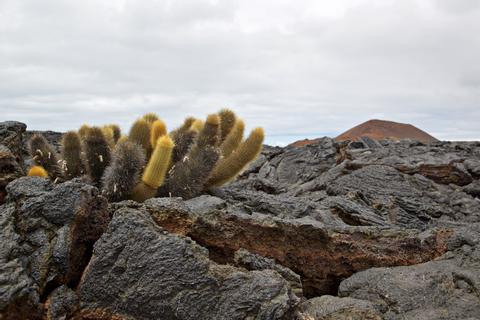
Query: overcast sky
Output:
(300,68)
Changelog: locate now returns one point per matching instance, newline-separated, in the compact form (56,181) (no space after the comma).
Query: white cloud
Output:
(298,68)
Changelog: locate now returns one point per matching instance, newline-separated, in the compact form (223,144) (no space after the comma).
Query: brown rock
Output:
(385,130)
(321,256)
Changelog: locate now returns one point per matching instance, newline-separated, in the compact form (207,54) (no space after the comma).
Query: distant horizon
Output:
(296,68)
(273,140)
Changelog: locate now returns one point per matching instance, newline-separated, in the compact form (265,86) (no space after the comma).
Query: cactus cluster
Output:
(150,162)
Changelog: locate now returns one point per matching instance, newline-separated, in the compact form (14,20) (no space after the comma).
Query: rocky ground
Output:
(363,230)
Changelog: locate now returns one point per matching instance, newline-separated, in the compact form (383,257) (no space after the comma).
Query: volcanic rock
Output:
(334,308)
(47,235)
(140,271)
(321,256)
(371,229)
(446,288)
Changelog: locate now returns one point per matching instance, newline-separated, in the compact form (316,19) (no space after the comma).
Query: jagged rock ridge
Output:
(329,231)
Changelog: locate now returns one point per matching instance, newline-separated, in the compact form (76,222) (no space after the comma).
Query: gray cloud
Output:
(298,68)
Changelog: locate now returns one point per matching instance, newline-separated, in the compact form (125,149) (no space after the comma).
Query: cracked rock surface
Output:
(361,230)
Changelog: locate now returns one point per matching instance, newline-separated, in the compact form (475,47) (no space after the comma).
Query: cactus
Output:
(227,122)
(193,158)
(71,155)
(140,133)
(37,171)
(183,138)
(158,129)
(210,134)
(233,139)
(197,125)
(183,142)
(43,154)
(150,117)
(122,139)
(123,173)
(188,176)
(117,132)
(97,154)
(83,130)
(228,168)
(108,134)
(156,170)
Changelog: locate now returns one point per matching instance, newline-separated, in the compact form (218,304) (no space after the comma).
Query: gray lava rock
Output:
(406,184)
(62,303)
(11,136)
(140,271)
(47,235)
(335,308)
(252,261)
(446,288)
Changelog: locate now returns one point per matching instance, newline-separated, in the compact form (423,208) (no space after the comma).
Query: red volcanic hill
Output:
(386,130)
(378,130)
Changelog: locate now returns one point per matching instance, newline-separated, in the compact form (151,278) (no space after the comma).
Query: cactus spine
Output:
(150,117)
(117,132)
(227,122)
(123,173)
(156,170)
(210,134)
(233,139)
(108,134)
(140,133)
(71,154)
(158,129)
(228,168)
(43,154)
(83,130)
(183,138)
(97,154)
(188,176)
(38,171)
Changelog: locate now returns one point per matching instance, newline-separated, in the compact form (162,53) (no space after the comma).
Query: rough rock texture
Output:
(387,229)
(140,271)
(11,159)
(11,136)
(253,261)
(321,256)
(47,235)
(10,170)
(447,288)
(335,308)
(406,184)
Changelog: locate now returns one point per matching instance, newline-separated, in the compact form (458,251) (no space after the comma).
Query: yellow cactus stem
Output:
(142,192)
(38,171)
(83,130)
(228,168)
(150,117)
(197,125)
(122,139)
(187,123)
(140,133)
(227,122)
(156,170)
(158,129)
(108,134)
(233,139)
